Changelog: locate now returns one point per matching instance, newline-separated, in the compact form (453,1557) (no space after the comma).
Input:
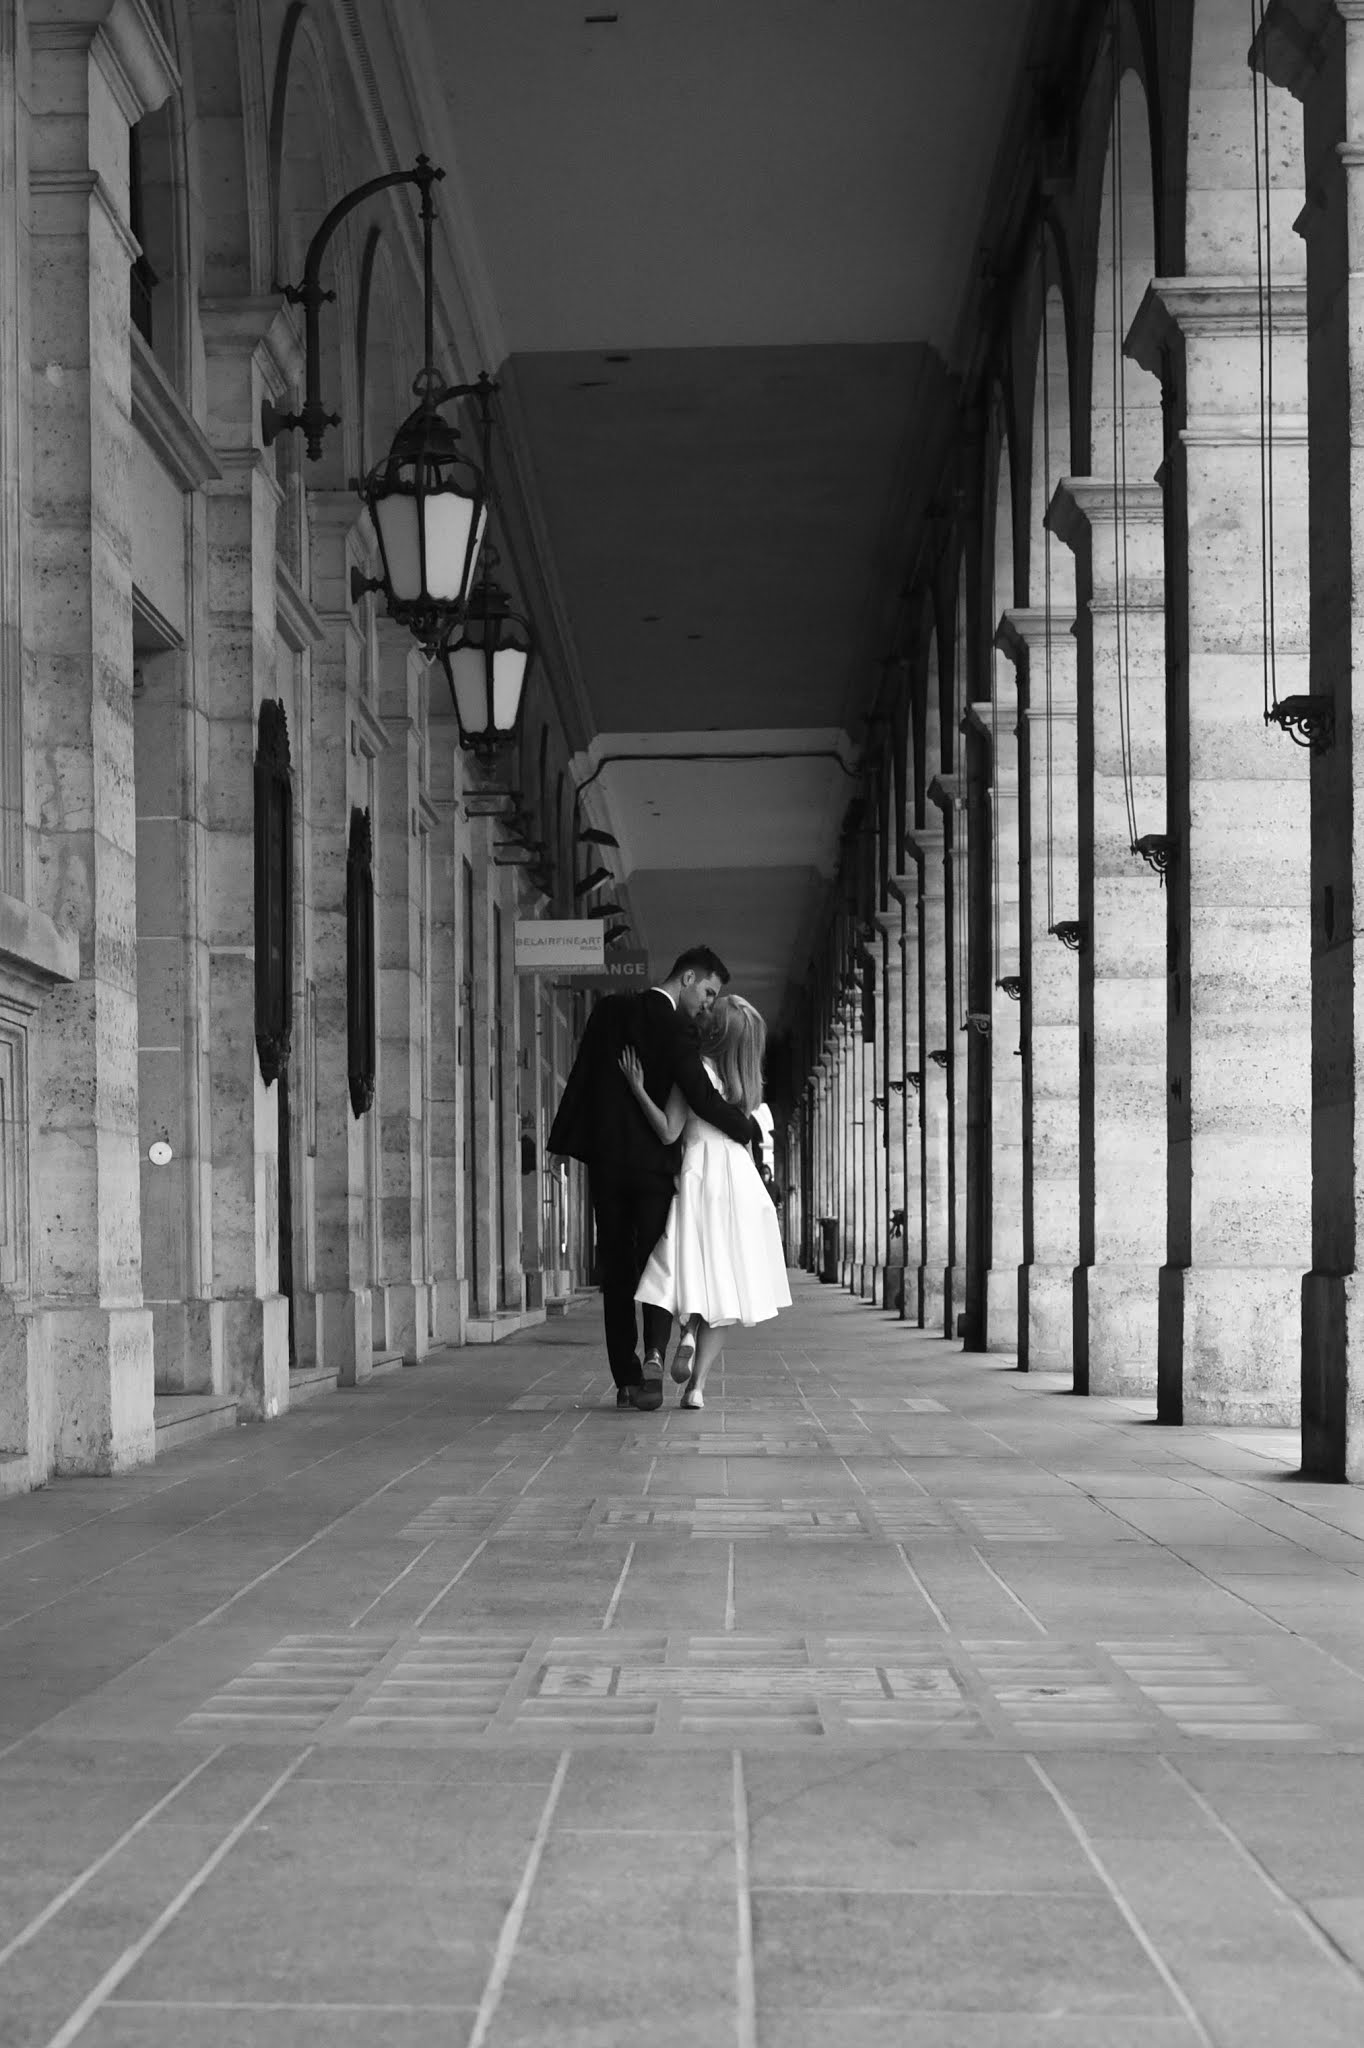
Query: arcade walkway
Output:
(897,1701)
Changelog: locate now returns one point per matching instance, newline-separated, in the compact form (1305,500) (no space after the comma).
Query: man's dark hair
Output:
(701,960)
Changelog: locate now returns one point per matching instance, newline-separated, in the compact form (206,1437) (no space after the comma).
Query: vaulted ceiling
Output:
(730,243)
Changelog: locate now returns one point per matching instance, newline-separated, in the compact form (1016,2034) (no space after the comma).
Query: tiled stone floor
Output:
(897,1698)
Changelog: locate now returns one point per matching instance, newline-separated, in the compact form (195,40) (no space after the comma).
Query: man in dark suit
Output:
(630,1171)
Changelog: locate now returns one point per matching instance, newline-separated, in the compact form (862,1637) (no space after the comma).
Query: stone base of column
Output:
(100,1376)
(408,1320)
(1046,1315)
(255,1353)
(1230,1345)
(1332,1376)
(954,1288)
(932,1299)
(912,1300)
(893,1287)
(345,1334)
(188,1339)
(447,1312)
(869,1283)
(1116,1329)
(1001,1308)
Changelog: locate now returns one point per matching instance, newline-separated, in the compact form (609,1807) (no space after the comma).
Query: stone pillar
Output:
(846,1143)
(927,844)
(400,953)
(443,1128)
(906,887)
(1051,1080)
(247,347)
(1000,731)
(94,70)
(346,738)
(867,1285)
(949,793)
(1239,935)
(1120,609)
(897,1110)
(1315,48)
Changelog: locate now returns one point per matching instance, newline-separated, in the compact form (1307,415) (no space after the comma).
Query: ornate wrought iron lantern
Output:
(427,499)
(485,659)
(428,503)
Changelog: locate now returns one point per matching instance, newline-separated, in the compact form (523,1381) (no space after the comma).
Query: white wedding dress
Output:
(720,1256)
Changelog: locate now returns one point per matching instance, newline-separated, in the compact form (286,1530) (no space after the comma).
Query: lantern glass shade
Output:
(486,662)
(428,502)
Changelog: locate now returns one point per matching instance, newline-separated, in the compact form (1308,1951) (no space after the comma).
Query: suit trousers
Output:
(630,1217)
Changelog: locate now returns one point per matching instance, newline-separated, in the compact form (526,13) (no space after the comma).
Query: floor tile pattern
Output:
(893,1700)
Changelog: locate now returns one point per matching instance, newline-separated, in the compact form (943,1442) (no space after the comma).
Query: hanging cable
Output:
(1123,651)
(1264,279)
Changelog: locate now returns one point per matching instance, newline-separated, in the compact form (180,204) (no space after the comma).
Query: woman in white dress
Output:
(720,1259)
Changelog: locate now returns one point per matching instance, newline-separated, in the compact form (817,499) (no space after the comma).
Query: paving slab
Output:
(896,1697)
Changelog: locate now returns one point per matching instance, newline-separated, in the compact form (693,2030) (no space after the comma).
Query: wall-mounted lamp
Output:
(615,934)
(593,836)
(427,499)
(610,908)
(485,657)
(591,882)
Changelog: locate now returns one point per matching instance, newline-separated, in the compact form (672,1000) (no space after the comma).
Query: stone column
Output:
(95,69)
(1051,1080)
(949,793)
(346,738)
(1315,48)
(443,1126)
(893,1087)
(1000,730)
(927,843)
(846,1143)
(400,954)
(1120,631)
(906,887)
(867,1285)
(1239,936)
(248,347)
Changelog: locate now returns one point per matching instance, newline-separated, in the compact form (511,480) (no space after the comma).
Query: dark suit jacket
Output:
(599,1120)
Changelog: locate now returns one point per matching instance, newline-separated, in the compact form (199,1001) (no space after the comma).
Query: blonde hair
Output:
(737,1041)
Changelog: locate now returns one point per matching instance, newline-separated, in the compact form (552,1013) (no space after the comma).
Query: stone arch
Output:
(1125,427)
(386,355)
(309,122)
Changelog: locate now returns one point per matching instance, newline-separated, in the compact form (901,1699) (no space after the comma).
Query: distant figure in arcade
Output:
(720,1260)
(631,1168)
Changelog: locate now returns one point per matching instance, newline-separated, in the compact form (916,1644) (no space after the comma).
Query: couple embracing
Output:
(659,1106)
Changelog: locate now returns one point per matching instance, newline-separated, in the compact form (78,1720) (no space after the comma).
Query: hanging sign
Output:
(559,945)
(625,967)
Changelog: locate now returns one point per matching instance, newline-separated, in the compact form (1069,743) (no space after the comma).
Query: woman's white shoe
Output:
(692,1397)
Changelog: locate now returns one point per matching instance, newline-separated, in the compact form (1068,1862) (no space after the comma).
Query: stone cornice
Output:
(85,185)
(925,842)
(1080,503)
(1175,307)
(33,950)
(166,423)
(370,734)
(1292,46)
(301,624)
(892,921)
(1022,631)
(124,40)
(948,792)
